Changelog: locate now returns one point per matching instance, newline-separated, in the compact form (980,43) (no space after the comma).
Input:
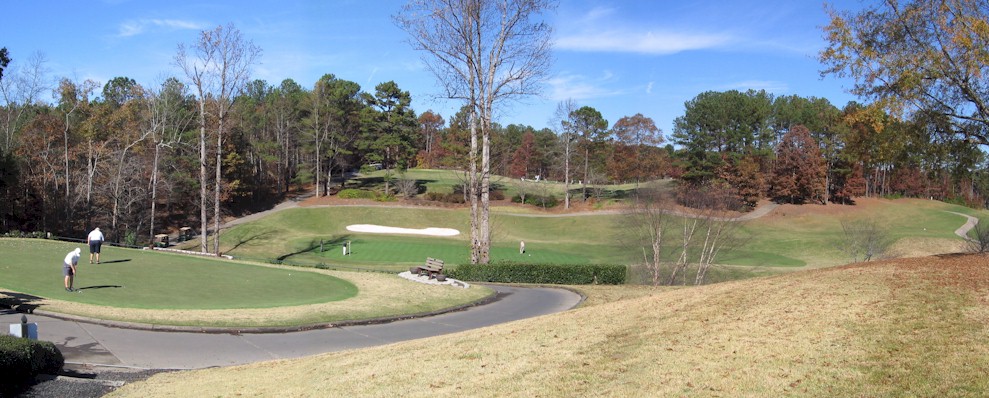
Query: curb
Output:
(252,330)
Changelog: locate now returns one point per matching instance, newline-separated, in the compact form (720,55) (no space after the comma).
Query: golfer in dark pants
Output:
(95,240)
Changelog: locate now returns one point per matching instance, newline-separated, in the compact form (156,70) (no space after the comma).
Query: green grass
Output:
(782,241)
(293,236)
(814,239)
(130,278)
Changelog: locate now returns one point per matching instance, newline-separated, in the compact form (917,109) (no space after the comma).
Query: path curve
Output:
(95,344)
(970,223)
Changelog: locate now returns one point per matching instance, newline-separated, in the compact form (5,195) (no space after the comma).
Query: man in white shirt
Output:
(69,268)
(95,240)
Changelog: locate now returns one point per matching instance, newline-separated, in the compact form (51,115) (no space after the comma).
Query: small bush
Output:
(545,201)
(384,198)
(351,193)
(22,359)
(445,197)
(496,195)
(563,274)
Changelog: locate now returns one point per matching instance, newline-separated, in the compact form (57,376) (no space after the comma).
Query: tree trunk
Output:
(203,221)
(90,171)
(154,191)
(583,185)
(485,224)
(566,174)
(217,185)
(472,191)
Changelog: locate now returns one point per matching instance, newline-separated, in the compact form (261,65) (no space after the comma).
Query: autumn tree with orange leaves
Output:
(798,176)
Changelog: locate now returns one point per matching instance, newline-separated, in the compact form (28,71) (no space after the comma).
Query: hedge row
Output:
(21,234)
(546,201)
(563,274)
(23,359)
(365,194)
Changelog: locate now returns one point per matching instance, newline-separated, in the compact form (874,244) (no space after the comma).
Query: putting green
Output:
(130,278)
(405,250)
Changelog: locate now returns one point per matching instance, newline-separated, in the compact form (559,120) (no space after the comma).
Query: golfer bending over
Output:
(95,240)
(69,267)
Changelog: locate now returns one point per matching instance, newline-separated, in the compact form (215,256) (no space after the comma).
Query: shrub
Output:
(384,197)
(22,359)
(351,193)
(445,197)
(545,201)
(563,274)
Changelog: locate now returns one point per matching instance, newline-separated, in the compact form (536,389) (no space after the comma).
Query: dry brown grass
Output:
(379,295)
(923,247)
(914,327)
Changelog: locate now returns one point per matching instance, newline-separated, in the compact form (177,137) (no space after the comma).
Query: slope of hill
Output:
(908,327)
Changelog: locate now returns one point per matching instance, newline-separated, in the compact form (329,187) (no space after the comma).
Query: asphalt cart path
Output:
(86,343)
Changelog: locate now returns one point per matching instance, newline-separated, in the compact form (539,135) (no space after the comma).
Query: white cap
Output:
(78,250)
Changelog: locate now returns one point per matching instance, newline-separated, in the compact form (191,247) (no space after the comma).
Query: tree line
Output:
(805,150)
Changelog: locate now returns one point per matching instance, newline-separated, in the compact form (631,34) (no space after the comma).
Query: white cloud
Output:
(649,42)
(136,27)
(649,87)
(579,87)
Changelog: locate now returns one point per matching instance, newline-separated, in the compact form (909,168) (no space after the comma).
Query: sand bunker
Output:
(378,229)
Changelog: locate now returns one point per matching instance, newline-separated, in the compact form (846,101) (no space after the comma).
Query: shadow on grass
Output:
(19,302)
(99,287)
(115,261)
(249,237)
(314,244)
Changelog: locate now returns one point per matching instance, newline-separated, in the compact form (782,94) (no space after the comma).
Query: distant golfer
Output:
(521,247)
(95,240)
(69,268)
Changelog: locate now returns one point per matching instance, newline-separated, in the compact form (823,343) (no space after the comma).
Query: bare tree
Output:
(407,187)
(649,221)
(20,89)
(568,140)
(864,239)
(71,97)
(219,67)
(483,53)
(165,120)
(980,243)
(692,240)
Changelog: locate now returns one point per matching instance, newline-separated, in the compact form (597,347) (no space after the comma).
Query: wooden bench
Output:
(433,269)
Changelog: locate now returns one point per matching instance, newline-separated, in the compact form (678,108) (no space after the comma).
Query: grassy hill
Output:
(791,237)
(913,327)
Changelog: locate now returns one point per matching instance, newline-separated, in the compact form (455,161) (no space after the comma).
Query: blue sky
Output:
(620,57)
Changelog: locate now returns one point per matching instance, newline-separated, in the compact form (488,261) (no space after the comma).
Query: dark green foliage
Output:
(4,60)
(563,274)
(356,194)
(389,127)
(445,197)
(545,201)
(22,359)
